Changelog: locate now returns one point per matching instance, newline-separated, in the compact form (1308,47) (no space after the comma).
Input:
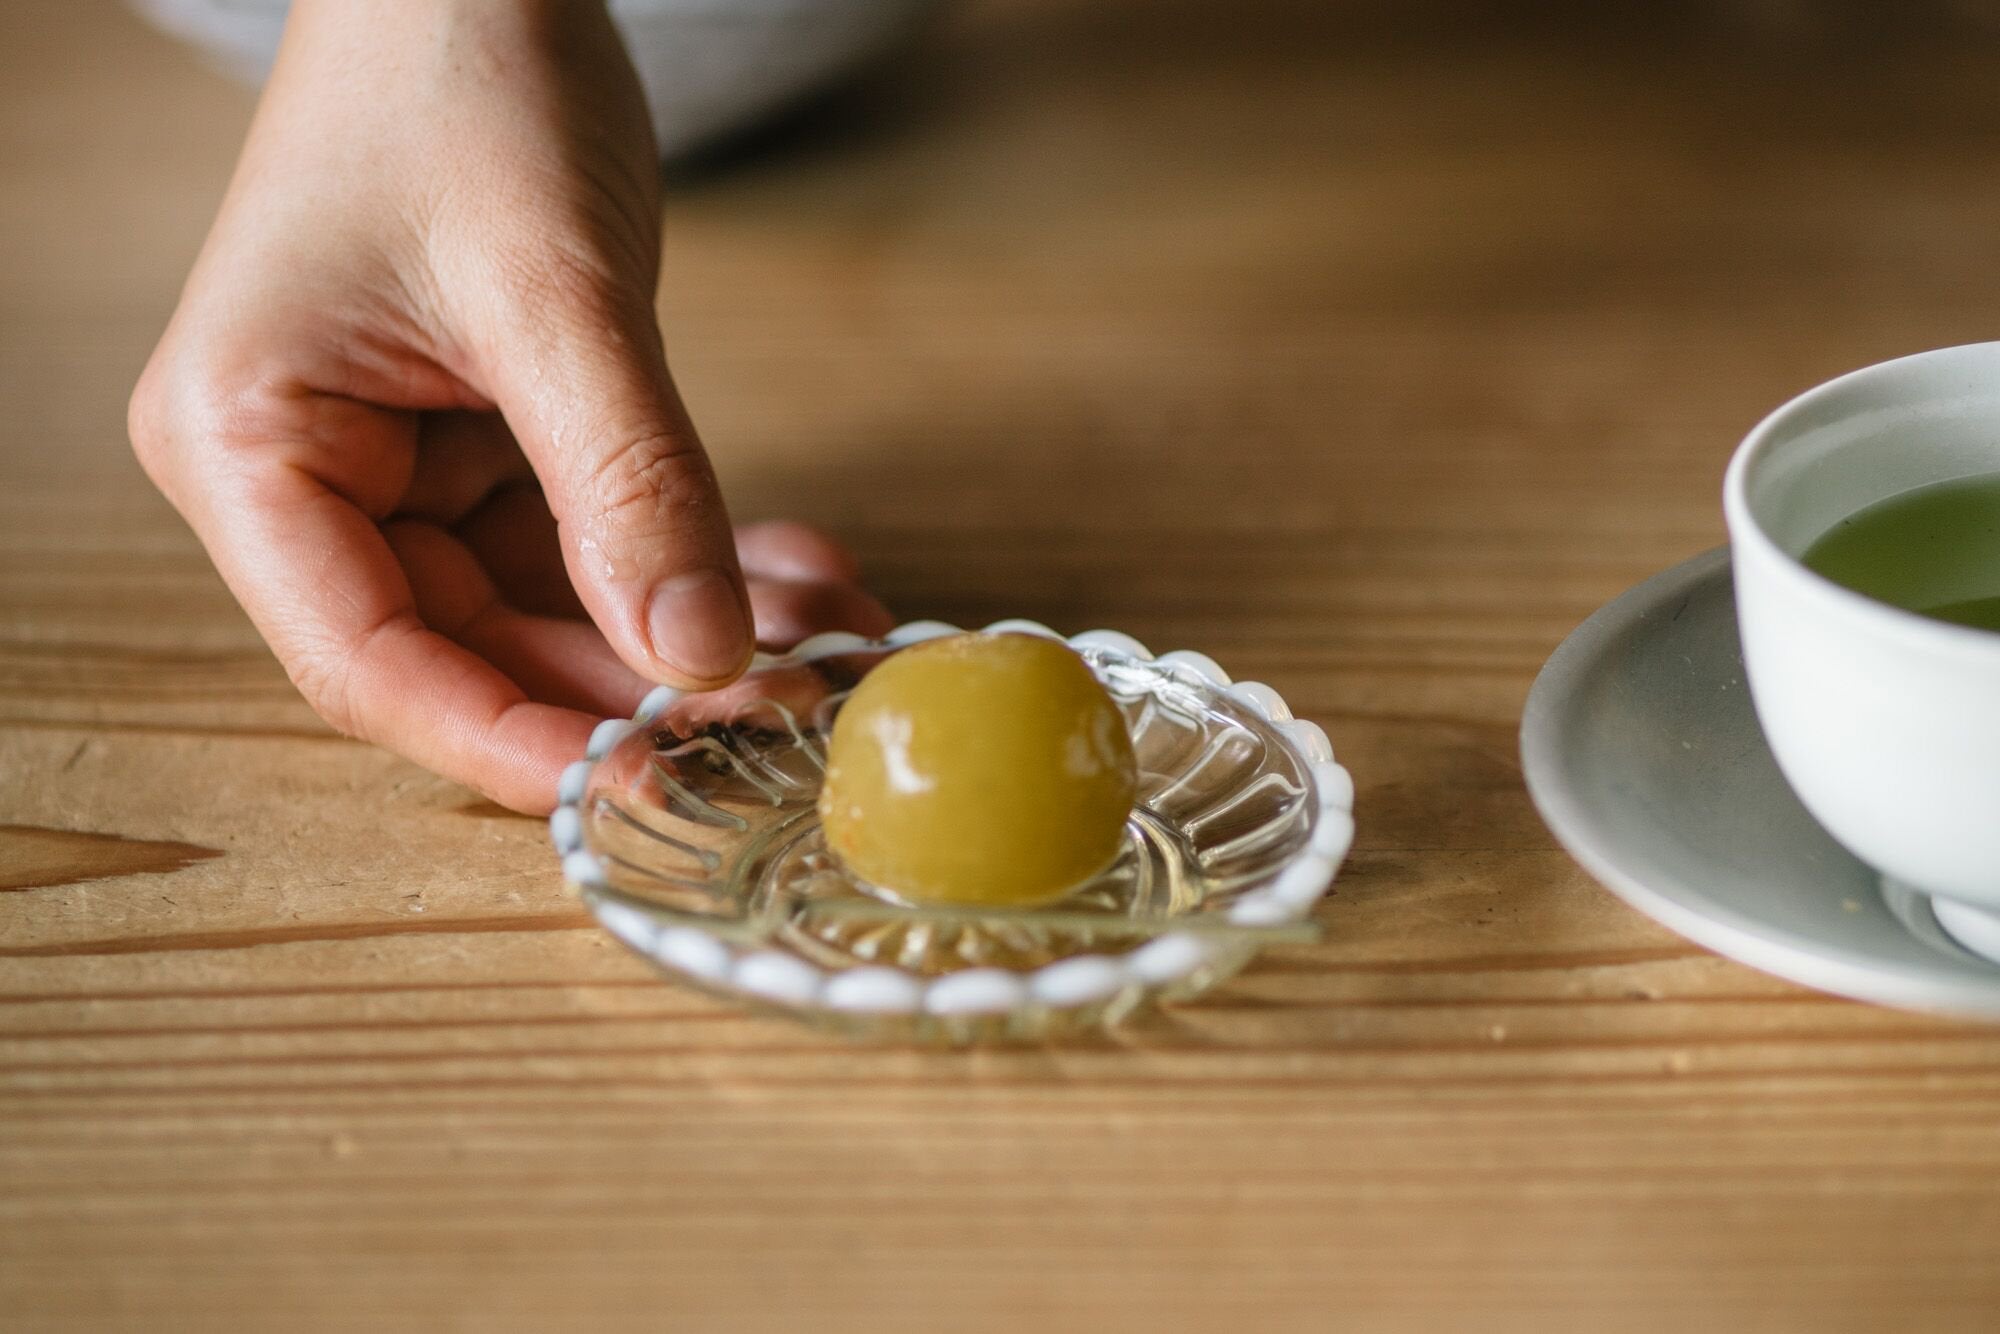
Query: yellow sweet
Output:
(978,769)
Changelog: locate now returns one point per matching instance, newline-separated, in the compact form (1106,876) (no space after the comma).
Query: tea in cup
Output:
(1864,521)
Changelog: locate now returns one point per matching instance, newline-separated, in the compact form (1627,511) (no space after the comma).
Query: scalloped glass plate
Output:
(691,832)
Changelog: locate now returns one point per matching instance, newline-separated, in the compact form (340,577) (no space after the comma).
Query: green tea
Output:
(1934,551)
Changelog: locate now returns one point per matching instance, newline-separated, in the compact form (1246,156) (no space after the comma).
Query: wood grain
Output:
(33,858)
(1366,347)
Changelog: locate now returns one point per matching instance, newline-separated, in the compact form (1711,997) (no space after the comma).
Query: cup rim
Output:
(1747,530)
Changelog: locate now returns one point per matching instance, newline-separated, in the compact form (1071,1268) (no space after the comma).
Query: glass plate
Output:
(691,832)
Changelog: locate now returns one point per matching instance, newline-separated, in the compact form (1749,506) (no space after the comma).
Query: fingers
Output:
(564,662)
(463,458)
(583,382)
(800,581)
(483,556)
(485,564)
(324,587)
(779,549)
(567,661)
(471,479)
(803,582)
(789,610)
(514,537)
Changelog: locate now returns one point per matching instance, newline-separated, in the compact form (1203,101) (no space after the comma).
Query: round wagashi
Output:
(978,769)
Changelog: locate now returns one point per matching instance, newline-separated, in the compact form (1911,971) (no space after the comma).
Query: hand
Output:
(415,403)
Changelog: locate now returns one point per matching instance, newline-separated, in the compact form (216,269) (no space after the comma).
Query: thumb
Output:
(644,532)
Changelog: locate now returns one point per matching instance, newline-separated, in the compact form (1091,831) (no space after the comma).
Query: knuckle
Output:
(209,398)
(656,480)
(146,420)
(170,411)
(328,670)
(324,683)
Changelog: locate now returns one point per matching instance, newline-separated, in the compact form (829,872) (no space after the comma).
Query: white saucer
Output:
(1643,754)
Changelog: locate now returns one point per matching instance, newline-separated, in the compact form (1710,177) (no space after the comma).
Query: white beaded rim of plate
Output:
(883,989)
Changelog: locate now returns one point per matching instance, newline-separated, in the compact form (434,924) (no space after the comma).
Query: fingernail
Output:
(698,625)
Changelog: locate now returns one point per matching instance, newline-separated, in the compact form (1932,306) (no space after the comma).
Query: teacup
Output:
(1886,723)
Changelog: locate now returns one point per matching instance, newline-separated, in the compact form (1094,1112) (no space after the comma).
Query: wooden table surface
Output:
(1366,347)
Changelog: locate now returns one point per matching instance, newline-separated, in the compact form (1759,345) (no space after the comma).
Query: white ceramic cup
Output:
(1886,723)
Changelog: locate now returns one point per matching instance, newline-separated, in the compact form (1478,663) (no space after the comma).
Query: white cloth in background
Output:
(708,66)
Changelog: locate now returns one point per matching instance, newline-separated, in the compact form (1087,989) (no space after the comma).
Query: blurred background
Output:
(1172,257)
(1365,345)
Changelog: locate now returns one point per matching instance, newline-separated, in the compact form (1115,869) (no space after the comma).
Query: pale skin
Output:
(415,403)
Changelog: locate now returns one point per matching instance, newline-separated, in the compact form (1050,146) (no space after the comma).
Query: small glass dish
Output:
(691,832)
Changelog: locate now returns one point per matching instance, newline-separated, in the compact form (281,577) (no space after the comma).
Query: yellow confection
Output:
(978,769)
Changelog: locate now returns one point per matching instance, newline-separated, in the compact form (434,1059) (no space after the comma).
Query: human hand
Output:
(415,404)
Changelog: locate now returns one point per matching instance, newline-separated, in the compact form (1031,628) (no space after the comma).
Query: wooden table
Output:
(1366,347)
